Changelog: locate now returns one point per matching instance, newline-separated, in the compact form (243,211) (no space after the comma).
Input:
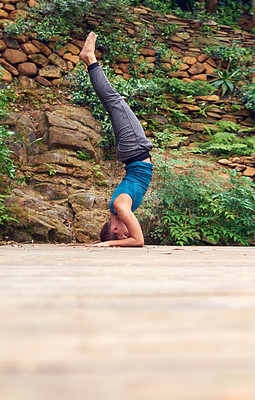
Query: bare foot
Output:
(88,52)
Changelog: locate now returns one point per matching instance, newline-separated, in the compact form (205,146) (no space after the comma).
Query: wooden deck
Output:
(153,323)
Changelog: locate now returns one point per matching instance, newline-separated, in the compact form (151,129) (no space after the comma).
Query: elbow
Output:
(140,243)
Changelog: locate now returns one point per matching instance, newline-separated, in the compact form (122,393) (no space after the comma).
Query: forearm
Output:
(129,242)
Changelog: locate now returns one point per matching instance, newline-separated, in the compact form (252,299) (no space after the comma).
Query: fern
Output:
(225,137)
(225,140)
(228,126)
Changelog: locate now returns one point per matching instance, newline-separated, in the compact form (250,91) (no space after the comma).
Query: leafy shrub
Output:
(72,11)
(179,88)
(6,163)
(46,28)
(225,81)
(157,5)
(7,167)
(229,12)
(192,210)
(18,27)
(225,141)
(167,138)
(69,10)
(116,44)
(58,18)
(248,96)
(83,156)
(234,54)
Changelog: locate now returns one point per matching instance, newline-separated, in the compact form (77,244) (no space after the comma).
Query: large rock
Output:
(17,13)
(80,114)
(86,200)
(179,74)
(250,172)
(12,43)
(42,221)
(189,60)
(158,119)
(43,81)
(148,52)
(57,202)
(199,77)
(2,45)
(14,56)
(87,123)
(5,75)
(87,225)
(70,57)
(69,139)
(50,71)
(209,69)
(27,68)
(27,82)
(39,60)
(72,128)
(40,217)
(71,48)
(211,97)
(55,120)
(9,67)
(42,47)
(3,14)
(66,159)
(29,48)
(25,130)
(193,126)
(56,60)
(196,69)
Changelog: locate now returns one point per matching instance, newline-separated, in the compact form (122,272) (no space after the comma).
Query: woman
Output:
(132,148)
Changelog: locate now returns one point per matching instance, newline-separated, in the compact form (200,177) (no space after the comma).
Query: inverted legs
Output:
(130,139)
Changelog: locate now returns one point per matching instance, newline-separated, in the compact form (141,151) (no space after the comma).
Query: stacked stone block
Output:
(35,63)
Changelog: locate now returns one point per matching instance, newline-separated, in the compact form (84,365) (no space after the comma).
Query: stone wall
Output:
(59,199)
(31,61)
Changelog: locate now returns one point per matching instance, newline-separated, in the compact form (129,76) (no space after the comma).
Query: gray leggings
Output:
(130,139)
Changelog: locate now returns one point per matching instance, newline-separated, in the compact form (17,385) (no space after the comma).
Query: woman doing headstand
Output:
(132,148)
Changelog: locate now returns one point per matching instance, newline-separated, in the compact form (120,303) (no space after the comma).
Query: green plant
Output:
(192,210)
(248,96)
(234,55)
(13,29)
(167,138)
(204,107)
(229,12)
(46,28)
(97,172)
(225,140)
(83,156)
(5,216)
(52,170)
(116,44)
(57,19)
(225,81)
(179,88)
(166,30)
(7,165)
